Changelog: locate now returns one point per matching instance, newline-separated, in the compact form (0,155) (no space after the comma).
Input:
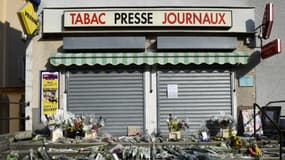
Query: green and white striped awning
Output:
(150,58)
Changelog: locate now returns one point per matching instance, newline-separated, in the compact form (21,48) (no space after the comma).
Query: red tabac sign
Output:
(267,21)
(271,48)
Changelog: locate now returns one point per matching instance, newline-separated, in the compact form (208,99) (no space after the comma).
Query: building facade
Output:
(12,64)
(269,77)
(133,63)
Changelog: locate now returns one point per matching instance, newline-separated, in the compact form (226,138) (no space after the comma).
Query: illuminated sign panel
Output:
(28,18)
(147,18)
(271,48)
(267,21)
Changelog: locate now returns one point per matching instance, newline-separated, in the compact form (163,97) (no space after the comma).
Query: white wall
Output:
(270,72)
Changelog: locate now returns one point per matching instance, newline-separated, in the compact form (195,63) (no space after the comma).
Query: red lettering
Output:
(100,18)
(206,19)
(72,17)
(214,19)
(188,18)
(78,19)
(86,18)
(94,19)
(181,18)
(197,18)
(193,18)
(164,19)
(173,20)
(222,16)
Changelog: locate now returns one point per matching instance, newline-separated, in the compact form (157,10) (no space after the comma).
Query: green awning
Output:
(149,58)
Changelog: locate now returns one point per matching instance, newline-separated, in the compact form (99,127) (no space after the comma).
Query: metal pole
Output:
(280,145)
(282,101)
(254,120)
(275,125)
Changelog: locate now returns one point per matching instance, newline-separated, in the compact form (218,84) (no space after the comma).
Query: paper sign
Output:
(246,81)
(172,91)
(49,92)
(204,135)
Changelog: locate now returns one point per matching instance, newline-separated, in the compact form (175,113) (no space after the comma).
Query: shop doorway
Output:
(116,95)
(199,95)
(22,113)
(4,114)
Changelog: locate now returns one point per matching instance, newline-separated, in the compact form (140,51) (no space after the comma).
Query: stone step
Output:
(74,149)
(23,147)
(4,142)
(82,153)
(35,144)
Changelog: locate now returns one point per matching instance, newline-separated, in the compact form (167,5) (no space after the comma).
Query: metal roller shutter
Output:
(200,95)
(117,96)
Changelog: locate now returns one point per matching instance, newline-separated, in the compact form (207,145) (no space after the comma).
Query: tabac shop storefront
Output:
(135,66)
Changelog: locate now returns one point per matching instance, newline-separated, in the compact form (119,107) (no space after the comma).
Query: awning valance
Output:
(149,58)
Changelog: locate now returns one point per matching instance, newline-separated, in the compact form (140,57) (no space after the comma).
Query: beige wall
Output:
(14,124)
(14,98)
(11,48)
(3,4)
(246,96)
(41,51)
(12,7)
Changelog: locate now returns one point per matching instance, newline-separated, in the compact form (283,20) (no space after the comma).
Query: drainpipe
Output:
(29,88)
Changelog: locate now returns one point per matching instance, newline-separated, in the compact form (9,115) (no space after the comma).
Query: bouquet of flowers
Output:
(221,121)
(92,125)
(74,127)
(175,124)
(218,122)
(100,123)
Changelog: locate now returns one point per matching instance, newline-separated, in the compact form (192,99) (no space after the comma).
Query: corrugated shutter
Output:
(200,96)
(117,96)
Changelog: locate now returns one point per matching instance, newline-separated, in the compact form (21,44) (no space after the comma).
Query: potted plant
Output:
(175,126)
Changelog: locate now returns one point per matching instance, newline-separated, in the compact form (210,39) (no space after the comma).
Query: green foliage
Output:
(176,125)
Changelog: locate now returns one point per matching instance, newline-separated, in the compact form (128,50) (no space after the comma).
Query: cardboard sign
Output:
(248,122)
(134,130)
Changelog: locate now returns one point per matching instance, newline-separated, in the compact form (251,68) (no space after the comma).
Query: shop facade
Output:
(135,63)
